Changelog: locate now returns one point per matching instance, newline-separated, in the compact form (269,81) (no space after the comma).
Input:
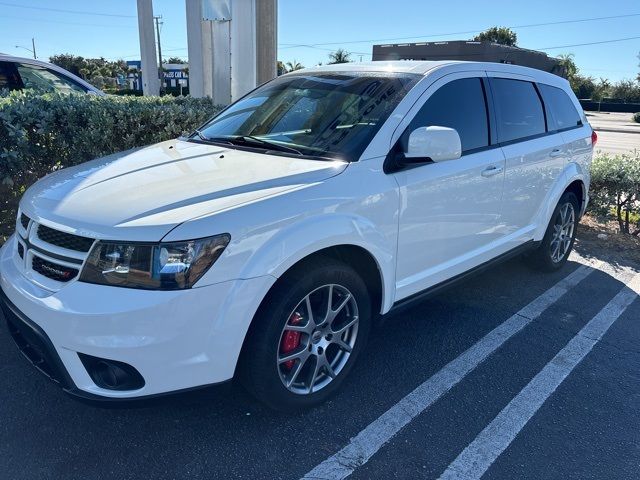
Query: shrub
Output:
(42,133)
(615,186)
(627,91)
(636,117)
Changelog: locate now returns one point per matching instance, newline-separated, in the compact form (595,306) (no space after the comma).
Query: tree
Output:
(569,65)
(626,90)
(339,56)
(602,89)
(176,60)
(293,66)
(90,68)
(501,35)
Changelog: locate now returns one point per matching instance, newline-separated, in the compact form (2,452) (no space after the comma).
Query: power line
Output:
(45,20)
(465,32)
(589,43)
(60,10)
(558,47)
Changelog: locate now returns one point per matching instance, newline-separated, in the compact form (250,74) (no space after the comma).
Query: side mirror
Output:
(434,143)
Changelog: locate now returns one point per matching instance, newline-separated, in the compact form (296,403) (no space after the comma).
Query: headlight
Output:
(163,266)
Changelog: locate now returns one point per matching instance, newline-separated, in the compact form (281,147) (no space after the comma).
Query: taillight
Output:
(594,138)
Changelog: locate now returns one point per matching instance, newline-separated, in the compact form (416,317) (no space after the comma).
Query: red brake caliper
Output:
(290,339)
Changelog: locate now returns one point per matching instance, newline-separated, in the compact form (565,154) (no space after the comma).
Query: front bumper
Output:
(175,339)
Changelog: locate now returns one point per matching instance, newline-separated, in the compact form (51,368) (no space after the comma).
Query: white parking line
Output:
(364,445)
(480,454)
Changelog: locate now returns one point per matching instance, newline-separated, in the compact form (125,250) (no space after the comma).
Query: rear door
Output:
(565,116)
(535,157)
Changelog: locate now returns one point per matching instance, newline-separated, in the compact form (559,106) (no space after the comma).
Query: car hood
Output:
(141,195)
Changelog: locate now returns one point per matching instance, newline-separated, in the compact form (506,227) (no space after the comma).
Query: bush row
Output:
(615,189)
(42,133)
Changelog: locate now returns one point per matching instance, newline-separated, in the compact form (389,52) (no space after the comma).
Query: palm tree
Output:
(568,63)
(293,66)
(339,56)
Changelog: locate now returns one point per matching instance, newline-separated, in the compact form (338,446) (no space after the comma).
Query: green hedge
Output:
(42,133)
(636,117)
(615,189)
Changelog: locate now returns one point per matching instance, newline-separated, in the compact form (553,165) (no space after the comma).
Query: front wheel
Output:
(558,240)
(306,335)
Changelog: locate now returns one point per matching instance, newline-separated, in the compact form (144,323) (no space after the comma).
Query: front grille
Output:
(64,240)
(54,271)
(36,252)
(24,220)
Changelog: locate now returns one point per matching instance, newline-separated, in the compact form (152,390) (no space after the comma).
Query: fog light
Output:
(110,374)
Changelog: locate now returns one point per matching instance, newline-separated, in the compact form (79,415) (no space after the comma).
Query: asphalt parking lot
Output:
(512,374)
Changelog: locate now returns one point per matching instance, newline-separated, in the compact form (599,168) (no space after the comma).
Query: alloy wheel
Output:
(563,232)
(317,339)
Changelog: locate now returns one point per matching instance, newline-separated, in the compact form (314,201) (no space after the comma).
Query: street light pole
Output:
(160,70)
(32,50)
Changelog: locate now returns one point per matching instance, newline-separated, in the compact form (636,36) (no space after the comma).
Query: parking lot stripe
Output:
(480,454)
(364,445)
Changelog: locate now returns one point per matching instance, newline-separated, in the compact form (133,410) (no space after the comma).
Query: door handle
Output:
(556,152)
(491,171)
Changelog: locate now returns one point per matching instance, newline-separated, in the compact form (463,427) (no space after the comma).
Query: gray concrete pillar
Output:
(234,49)
(194,47)
(150,80)
(266,39)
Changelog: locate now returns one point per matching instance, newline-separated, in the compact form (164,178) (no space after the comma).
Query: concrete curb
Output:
(617,130)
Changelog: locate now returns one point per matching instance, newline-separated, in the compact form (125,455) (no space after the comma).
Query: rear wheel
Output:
(558,240)
(307,335)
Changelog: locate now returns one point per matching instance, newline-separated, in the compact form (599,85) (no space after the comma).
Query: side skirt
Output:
(405,303)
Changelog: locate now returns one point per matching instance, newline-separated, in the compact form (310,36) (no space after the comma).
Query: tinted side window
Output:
(518,108)
(459,104)
(42,79)
(9,78)
(560,109)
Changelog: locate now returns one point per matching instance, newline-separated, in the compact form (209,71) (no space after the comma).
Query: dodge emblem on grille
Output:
(55,271)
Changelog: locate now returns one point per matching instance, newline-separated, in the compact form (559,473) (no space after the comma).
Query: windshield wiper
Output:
(248,139)
(204,138)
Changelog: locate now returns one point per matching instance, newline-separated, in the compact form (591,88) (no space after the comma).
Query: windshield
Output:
(332,114)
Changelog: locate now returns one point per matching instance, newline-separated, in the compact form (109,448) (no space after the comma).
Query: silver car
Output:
(18,73)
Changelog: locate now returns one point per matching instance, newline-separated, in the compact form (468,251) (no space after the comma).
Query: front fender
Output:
(301,239)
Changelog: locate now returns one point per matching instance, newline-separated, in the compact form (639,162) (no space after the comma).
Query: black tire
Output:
(542,258)
(259,370)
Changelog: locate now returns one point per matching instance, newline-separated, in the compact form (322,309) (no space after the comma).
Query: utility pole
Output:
(33,44)
(160,71)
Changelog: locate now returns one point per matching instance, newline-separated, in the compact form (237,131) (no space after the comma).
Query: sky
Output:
(309,29)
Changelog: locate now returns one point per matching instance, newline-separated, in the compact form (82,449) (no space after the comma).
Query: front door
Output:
(450,210)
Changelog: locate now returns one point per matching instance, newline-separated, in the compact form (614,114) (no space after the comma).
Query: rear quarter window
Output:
(519,112)
(561,112)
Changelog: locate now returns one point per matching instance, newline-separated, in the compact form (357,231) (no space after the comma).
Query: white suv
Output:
(266,245)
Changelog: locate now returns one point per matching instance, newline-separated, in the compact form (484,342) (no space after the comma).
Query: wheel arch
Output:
(356,256)
(573,180)
(578,188)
